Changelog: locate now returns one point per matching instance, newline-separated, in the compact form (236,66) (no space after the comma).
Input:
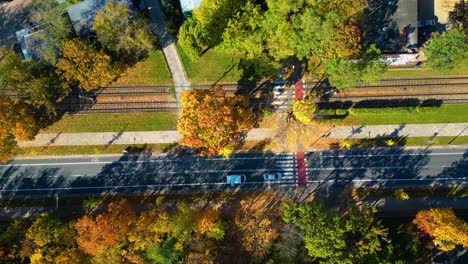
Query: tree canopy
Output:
(82,63)
(16,122)
(211,120)
(443,226)
(122,32)
(34,82)
(447,51)
(356,237)
(323,33)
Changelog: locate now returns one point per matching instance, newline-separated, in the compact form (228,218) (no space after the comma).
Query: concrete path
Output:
(410,130)
(168,44)
(120,138)
(173,136)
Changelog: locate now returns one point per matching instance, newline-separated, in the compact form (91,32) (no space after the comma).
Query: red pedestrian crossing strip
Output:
(301,169)
(299,90)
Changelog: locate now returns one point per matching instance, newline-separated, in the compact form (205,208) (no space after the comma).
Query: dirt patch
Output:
(136,98)
(12,19)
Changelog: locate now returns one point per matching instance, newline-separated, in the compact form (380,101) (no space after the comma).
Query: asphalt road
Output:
(146,172)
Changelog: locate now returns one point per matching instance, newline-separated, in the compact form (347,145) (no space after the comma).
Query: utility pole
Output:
(56,200)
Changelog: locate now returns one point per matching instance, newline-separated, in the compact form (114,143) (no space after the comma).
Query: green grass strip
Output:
(114,122)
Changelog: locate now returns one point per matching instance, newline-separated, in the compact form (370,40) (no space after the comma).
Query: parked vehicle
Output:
(272,176)
(235,179)
(425,23)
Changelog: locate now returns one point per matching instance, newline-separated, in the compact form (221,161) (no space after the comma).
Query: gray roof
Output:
(189,5)
(33,43)
(82,15)
(406,17)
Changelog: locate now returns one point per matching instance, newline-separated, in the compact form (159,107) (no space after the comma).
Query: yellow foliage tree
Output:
(304,110)
(82,63)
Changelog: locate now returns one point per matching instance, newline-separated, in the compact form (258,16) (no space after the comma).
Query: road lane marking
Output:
(220,183)
(361,168)
(126,162)
(390,180)
(392,155)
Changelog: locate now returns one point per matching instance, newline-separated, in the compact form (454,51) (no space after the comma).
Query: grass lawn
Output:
(153,70)
(213,66)
(423,72)
(410,141)
(114,123)
(457,113)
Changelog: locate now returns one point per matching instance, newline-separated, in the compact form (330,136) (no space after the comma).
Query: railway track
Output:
(122,104)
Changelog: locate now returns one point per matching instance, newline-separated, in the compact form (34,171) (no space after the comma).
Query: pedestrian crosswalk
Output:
(287,166)
(281,96)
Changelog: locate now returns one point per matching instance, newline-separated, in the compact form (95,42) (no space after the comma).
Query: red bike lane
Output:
(301,169)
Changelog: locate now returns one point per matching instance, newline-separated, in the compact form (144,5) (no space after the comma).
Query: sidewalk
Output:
(410,130)
(168,44)
(173,136)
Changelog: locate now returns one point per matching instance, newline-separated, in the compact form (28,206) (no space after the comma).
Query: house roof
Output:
(406,17)
(82,15)
(189,5)
(33,42)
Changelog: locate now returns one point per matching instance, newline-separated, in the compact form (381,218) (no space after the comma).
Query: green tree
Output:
(324,33)
(211,120)
(164,253)
(357,237)
(447,51)
(205,29)
(122,32)
(83,64)
(54,21)
(34,82)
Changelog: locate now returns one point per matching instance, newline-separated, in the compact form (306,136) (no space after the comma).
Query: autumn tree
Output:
(209,223)
(211,120)
(83,64)
(304,110)
(50,237)
(16,122)
(257,224)
(105,231)
(122,32)
(446,229)
(447,51)
(357,237)
(10,241)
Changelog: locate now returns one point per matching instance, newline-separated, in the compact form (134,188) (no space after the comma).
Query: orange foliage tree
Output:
(212,121)
(106,230)
(257,224)
(443,226)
